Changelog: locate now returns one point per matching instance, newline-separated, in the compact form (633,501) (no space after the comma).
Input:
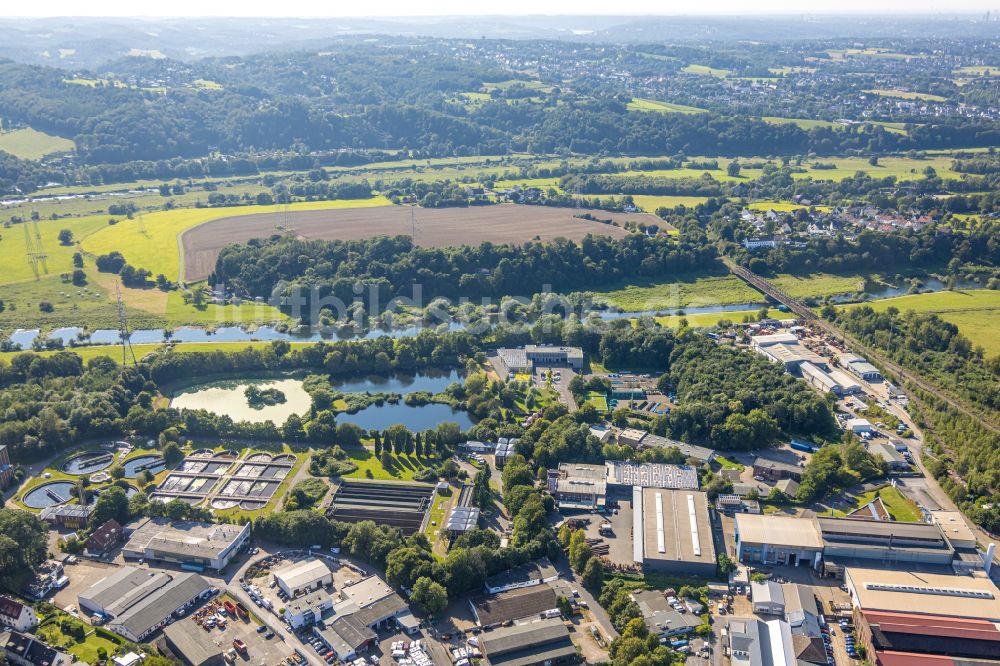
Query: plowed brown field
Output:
(504,223)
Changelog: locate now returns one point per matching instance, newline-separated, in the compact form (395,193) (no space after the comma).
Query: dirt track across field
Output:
(503,223)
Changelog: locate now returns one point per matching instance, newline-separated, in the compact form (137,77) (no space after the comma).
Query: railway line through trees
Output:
(890,367)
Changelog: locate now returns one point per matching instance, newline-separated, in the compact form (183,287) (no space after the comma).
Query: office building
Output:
(579,486)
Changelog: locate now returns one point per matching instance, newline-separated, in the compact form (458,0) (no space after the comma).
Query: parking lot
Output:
(259,650)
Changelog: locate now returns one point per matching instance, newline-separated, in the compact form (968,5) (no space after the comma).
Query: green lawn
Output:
(85,650)
(899,507)
(726,463)
(697,291)
(804,123)
(818,285)
(976,312)
(436,520)
(782,206)
(402,469)
(705,70)
(906,94)
(641,104)
(598,400)
(709,319)
(29,144)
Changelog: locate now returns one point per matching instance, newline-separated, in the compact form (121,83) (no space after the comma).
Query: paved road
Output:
(597,611)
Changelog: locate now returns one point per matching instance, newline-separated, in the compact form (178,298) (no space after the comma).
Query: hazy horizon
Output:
(388,9)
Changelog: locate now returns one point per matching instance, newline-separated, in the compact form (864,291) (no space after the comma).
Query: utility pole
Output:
(123,331)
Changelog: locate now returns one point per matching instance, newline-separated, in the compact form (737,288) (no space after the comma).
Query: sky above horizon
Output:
(393,8)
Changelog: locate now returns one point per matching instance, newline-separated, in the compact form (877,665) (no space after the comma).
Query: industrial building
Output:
(770,539)
(776,470)
(858,426)
(304,576)
(541,643)
(192,544)
(303,611)
(631,436)
(886,542)
(579,486)
(834,381)
(902,617)
(899,591)
(661,618)
(400,505)
(193,647)
(137,602)
(651,475)
(887,452)
(512,605)
(67,516)
(860,367)
(955,527)
(702,454)
(462,519)
(350,621)
(754,642)
(532,356)
(526,575)
(672,531)
(768,597)
(786,350)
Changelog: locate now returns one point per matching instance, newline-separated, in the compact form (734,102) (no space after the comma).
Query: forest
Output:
(393,266)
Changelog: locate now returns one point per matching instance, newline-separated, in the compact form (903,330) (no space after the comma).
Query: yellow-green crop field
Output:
(906,94)
(705,70)
(640,104)
(157,250)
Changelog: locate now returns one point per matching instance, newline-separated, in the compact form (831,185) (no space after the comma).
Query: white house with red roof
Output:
(17,615)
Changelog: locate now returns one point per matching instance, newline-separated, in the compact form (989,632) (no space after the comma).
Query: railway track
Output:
(898,372)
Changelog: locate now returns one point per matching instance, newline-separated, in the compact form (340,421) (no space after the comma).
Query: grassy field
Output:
(899,507)
(804,123)
(650,202)
(976,312)
(29,144)
(115,352)
(705,70)
(698,291)
(709,319)
(906,94)
(157,249)
(369,467)
(782,206)
(59,258)
(900,167)
(817,285)
(641,104)
(979,70)
(598,400)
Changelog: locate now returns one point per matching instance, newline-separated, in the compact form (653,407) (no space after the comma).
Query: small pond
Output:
(431,381)
(86,463)
(227,398)
(49,494)
(139,464)
(24,337)
(417,417)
